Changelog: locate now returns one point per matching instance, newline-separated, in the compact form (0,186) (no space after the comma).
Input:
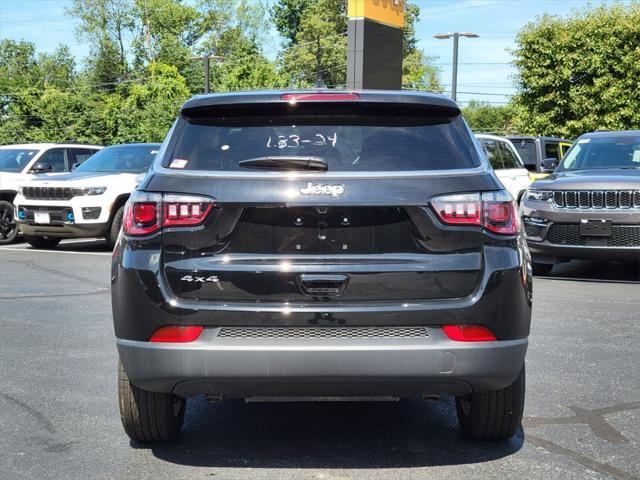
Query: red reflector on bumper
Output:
(176,334)
(468,333)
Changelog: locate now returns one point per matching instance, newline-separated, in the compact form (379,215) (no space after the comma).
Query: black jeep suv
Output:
(321,244)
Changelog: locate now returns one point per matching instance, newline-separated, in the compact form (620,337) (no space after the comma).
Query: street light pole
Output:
(206,59)
(454,74)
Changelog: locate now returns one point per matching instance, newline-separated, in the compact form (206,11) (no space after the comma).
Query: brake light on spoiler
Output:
(146,213)
(494,211)
(322,97)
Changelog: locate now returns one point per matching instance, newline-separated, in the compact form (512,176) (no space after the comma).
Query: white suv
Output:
(20,162)
(506,163)
(85,203)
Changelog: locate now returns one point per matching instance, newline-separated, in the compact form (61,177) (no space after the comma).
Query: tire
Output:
(494,415)
(8,226)
(42,242)
(148,416)
(541,268)
(114,228)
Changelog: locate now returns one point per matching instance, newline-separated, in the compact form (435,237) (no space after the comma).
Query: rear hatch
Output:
(317,202)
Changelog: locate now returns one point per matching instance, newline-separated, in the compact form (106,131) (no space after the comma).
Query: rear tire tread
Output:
(147,416)
(494,415)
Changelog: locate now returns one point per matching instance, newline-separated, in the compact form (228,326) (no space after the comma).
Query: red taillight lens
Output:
(185,213)
(140,218)
(468,333)
(495,211)
(458,209)
(146,213)
(314,97)
(176,334)
(500,213)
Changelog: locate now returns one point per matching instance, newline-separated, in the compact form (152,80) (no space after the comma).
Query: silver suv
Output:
(589,208)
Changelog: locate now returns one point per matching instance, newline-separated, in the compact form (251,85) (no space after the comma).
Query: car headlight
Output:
(541,195)
(89,191)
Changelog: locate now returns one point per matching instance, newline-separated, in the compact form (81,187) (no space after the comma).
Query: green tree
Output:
(320,46)
(579,73)
(418,71)
(166,32)
(143,111)
(286,15)
(486,118)
(108,24)
(234,30)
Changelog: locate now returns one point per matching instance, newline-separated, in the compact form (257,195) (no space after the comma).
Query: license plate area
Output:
(41,217)
(596,228)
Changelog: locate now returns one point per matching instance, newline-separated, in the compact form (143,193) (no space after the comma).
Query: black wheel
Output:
(114,228)
(494,415)
(42,242)
(541,268)
(8,227)
(148,416)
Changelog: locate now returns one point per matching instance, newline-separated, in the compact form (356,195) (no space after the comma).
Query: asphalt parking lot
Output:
(59,414)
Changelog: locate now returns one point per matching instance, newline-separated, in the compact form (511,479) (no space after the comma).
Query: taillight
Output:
(500,213)
(468,333)
(140,218)
(315,97)
(176,334)
(185,213)
(495,211)
(147,213)
(459,209)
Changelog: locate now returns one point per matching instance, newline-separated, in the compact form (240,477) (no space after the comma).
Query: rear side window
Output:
(79,155)
(509,157)
(527,151)
(492,150)
(344,142)
(552,150)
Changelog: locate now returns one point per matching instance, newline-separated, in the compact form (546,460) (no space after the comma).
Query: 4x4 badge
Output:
(196,279)
(319,189)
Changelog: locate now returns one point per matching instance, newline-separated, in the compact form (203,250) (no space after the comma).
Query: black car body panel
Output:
(307,249)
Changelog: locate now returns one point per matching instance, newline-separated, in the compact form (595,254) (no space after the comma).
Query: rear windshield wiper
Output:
(285,163)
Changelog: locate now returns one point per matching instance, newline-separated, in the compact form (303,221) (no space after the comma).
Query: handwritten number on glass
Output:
(294,141)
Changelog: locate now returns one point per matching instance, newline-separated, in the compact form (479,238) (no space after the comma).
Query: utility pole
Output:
(206,59)
(454,74)
(319,80)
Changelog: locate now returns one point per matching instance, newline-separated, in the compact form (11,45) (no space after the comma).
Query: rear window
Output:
(344,142)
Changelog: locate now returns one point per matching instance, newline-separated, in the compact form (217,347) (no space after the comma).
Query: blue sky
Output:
(484,69)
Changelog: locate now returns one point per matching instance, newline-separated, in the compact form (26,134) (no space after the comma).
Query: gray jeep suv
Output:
(589,208)
(321,244)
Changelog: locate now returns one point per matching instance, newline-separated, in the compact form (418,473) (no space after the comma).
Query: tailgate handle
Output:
(322,285)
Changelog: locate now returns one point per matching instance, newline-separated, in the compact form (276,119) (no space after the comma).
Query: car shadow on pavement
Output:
(409,433)
(583,270)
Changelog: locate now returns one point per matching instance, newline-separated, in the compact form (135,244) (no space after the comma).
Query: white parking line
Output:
(26,248)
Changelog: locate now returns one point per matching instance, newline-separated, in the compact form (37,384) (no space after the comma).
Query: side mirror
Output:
(74,166)
(41,167)
(549,165)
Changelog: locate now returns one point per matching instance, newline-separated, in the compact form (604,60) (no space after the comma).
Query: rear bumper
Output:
(248,367)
